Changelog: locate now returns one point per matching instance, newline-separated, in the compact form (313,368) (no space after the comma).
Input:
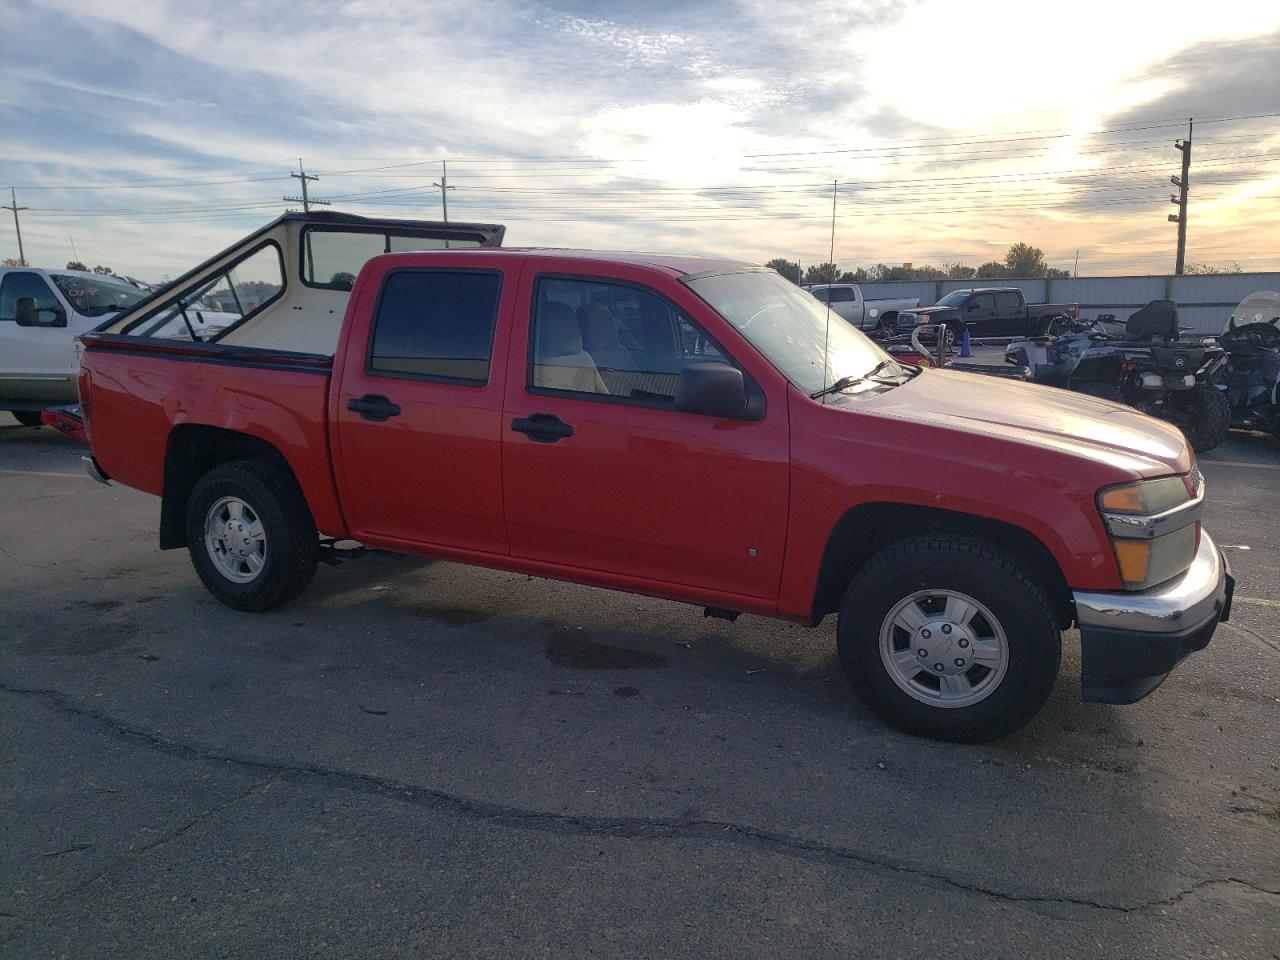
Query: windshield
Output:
(790,327)
(96,296)
(954,298)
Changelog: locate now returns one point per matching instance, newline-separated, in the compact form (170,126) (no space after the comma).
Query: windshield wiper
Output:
(844,383)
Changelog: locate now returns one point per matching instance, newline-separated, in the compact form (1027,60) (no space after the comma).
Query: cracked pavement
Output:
(422,759)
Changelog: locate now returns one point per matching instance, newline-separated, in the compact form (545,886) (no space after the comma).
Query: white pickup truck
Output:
(42,312)
(846,300)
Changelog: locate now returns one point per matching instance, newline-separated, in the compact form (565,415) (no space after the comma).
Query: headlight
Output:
(1154,528)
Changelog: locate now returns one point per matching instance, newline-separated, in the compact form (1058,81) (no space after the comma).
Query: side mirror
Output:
(26,314)
(712,389)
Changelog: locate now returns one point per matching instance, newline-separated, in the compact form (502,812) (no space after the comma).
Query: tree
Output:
(1024,260)
(1053,273)
(822,273)
(14,262)
(105,271)
(1204,269)
(785,267)
(77,265)
(958,271)
(992,270)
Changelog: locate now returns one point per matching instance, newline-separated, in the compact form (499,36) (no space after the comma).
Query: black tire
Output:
(888,326)
(28,418)
(291,544)
(1208,419)
(993,578)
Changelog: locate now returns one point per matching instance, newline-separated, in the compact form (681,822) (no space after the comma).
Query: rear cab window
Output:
(435,324)
(609,339)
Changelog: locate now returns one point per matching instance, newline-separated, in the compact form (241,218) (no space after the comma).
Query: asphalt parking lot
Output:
(419,759)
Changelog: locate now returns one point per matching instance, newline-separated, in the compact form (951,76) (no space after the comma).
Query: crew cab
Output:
(42,312)
(680,427)
(847,301)
(989,312)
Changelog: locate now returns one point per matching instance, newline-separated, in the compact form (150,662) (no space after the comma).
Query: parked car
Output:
(989,312)
(846,300)
(41,314)
(680,427)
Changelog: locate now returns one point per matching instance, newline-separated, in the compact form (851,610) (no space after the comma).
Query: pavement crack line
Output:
(626,828)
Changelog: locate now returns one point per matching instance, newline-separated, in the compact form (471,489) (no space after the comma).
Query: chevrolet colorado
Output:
(686,428)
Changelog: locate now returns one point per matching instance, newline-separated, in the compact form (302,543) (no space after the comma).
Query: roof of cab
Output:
(676,264)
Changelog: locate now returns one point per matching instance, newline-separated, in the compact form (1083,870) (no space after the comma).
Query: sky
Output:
(149,135)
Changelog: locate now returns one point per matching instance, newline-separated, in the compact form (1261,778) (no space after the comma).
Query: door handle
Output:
(542,427)
(374,406)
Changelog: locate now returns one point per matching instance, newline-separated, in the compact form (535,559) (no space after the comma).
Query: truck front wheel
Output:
(948,637)
(250,534)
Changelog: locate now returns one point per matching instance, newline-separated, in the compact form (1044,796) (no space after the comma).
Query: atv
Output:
(1252,374)
(1143,364)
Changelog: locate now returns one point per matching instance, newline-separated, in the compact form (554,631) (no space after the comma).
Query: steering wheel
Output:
(765,309)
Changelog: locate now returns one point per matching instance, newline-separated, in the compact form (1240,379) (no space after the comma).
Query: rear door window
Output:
(435,325)
(842,295)
(1007,302)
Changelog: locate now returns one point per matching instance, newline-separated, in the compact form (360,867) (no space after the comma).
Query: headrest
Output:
(558,331)
(599,328)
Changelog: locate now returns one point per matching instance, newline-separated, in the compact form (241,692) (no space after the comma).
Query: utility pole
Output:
(303,177)
(444,187)
(1183,183)
(13,205)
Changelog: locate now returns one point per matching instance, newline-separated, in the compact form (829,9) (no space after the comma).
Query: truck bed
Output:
(145,393)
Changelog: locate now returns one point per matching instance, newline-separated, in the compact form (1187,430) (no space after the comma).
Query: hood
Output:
(1072,423)
(930,311)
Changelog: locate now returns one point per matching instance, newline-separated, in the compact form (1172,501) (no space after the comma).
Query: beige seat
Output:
(560,363)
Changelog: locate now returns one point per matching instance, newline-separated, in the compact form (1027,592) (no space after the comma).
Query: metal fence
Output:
(1204,302)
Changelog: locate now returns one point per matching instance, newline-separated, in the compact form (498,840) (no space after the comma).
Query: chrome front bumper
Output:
(1130,641)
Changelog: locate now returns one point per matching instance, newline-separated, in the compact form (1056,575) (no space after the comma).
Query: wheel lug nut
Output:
(962,644)
(922,652)
(946,628)
(926,634)
(938,667)
(959,662)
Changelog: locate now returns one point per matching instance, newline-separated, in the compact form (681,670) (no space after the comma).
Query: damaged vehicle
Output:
(681,427)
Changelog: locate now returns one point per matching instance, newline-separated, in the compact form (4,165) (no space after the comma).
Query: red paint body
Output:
(717,512)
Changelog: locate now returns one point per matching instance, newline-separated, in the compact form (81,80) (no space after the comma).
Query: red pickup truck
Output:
(686,428)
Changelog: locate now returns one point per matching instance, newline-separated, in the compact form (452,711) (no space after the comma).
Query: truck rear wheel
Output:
(250,535)
(948,637)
